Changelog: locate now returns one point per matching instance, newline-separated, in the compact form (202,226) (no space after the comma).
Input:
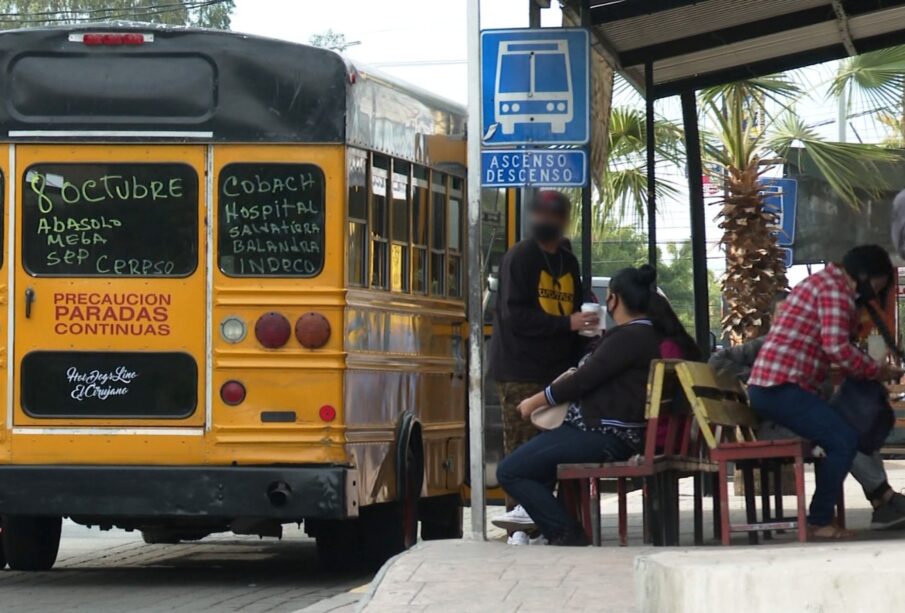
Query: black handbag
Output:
(865,404)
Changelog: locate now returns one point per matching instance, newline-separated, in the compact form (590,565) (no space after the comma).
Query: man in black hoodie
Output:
(536,321)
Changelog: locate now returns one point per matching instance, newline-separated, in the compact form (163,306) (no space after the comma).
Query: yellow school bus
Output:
(234,284)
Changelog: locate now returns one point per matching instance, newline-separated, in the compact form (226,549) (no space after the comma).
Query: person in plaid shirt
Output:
(814,331)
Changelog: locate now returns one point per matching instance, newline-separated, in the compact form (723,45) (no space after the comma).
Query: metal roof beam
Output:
(844,32)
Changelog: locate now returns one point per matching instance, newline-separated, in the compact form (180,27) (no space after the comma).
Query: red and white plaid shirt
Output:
(814,330)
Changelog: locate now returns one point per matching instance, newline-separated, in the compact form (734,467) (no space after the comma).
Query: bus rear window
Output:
(110,220)
(271,220)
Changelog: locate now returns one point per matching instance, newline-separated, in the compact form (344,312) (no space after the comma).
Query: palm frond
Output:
(877,77)
(842,165)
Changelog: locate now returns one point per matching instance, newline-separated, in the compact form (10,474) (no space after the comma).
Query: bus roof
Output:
(136,81)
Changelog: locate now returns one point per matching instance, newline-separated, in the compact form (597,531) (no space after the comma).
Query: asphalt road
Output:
(116,571)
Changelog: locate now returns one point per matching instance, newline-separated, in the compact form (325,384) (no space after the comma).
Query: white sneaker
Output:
(516,519)
(541,540)
(518,538)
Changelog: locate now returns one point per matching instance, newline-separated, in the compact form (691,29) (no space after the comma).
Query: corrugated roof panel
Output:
(698,18)
(881,22)
(753,51)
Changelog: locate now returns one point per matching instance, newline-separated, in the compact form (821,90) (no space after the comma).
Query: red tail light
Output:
(232,393)
(312,330)
(272,330)
(111,39)
(327,413)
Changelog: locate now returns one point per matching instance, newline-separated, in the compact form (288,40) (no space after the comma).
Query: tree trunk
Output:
(755,271)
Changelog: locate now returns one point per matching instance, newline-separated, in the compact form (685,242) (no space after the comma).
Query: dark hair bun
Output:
(647,274)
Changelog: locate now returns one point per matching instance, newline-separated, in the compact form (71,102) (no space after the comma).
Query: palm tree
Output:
(755,127)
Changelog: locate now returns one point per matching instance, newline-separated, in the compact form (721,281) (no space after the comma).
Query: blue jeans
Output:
(812,418)
(529,474)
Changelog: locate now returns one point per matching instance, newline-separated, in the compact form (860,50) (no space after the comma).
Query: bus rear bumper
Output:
(289,493)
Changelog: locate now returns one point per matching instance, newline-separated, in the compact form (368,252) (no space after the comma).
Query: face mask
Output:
(546,232)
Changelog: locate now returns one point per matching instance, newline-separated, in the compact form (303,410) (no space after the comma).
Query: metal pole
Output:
(475,280)
(698,227)
(528,193)
(586,213)
(651,164)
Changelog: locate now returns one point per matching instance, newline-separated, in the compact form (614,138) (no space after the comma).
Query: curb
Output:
(378,578)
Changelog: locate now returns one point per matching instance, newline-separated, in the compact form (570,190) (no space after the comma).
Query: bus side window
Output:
(358,218)
(379,221)
(400,222)
(420,197)
(438,233)
(455,237)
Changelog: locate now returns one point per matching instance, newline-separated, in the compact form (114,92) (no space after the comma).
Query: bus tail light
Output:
(232,393)
(327,413)
(111,39)
(272,330)
(312,330)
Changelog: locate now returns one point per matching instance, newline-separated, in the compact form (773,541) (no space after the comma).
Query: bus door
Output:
(109,293)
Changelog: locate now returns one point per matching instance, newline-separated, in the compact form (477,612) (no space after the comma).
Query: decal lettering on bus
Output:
(116,219)
(271,220)
(113,314)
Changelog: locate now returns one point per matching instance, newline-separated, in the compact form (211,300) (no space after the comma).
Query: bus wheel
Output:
(441,517)
(31,542)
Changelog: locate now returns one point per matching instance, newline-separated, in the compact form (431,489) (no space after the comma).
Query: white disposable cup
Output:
(591,307)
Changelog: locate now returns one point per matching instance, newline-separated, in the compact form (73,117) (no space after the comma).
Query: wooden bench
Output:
(727,424)
(659,468)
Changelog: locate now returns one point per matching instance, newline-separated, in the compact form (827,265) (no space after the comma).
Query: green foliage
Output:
(33,13)
(615,247)
(331,40)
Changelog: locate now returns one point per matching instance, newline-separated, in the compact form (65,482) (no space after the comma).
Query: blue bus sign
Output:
(533,168)
(781,197)
(535,87)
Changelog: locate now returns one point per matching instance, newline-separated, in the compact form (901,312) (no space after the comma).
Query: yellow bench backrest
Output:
(717,402)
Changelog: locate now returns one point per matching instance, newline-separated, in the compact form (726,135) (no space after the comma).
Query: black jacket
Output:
(532,339)
(612,382)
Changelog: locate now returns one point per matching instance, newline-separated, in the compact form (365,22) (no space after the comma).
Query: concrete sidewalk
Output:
(464,576)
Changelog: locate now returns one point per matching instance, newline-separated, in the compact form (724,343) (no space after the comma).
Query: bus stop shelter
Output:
(672,48)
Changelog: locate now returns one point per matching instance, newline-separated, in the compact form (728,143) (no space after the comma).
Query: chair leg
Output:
(670,491)
(765,497)
(645,514)
(750,501)
(716,493)
(594,511)
(799,494)
(585,506)
(724,503)
(777,492)
(623,512)
(698,509)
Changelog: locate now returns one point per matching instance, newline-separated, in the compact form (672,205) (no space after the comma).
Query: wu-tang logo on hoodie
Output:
(556,296)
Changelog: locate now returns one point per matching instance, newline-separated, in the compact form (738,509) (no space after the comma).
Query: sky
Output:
(420,41)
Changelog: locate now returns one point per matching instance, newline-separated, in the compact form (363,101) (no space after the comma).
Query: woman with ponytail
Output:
(605,421)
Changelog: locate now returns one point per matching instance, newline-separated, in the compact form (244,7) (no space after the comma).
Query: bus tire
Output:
(30,542)
(441,517)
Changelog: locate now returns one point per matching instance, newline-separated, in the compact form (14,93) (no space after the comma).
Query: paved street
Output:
(116,571)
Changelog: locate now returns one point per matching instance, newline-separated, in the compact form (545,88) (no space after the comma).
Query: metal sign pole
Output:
(475,280)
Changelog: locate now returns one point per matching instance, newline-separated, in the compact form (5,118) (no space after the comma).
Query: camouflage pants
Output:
(516,431)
